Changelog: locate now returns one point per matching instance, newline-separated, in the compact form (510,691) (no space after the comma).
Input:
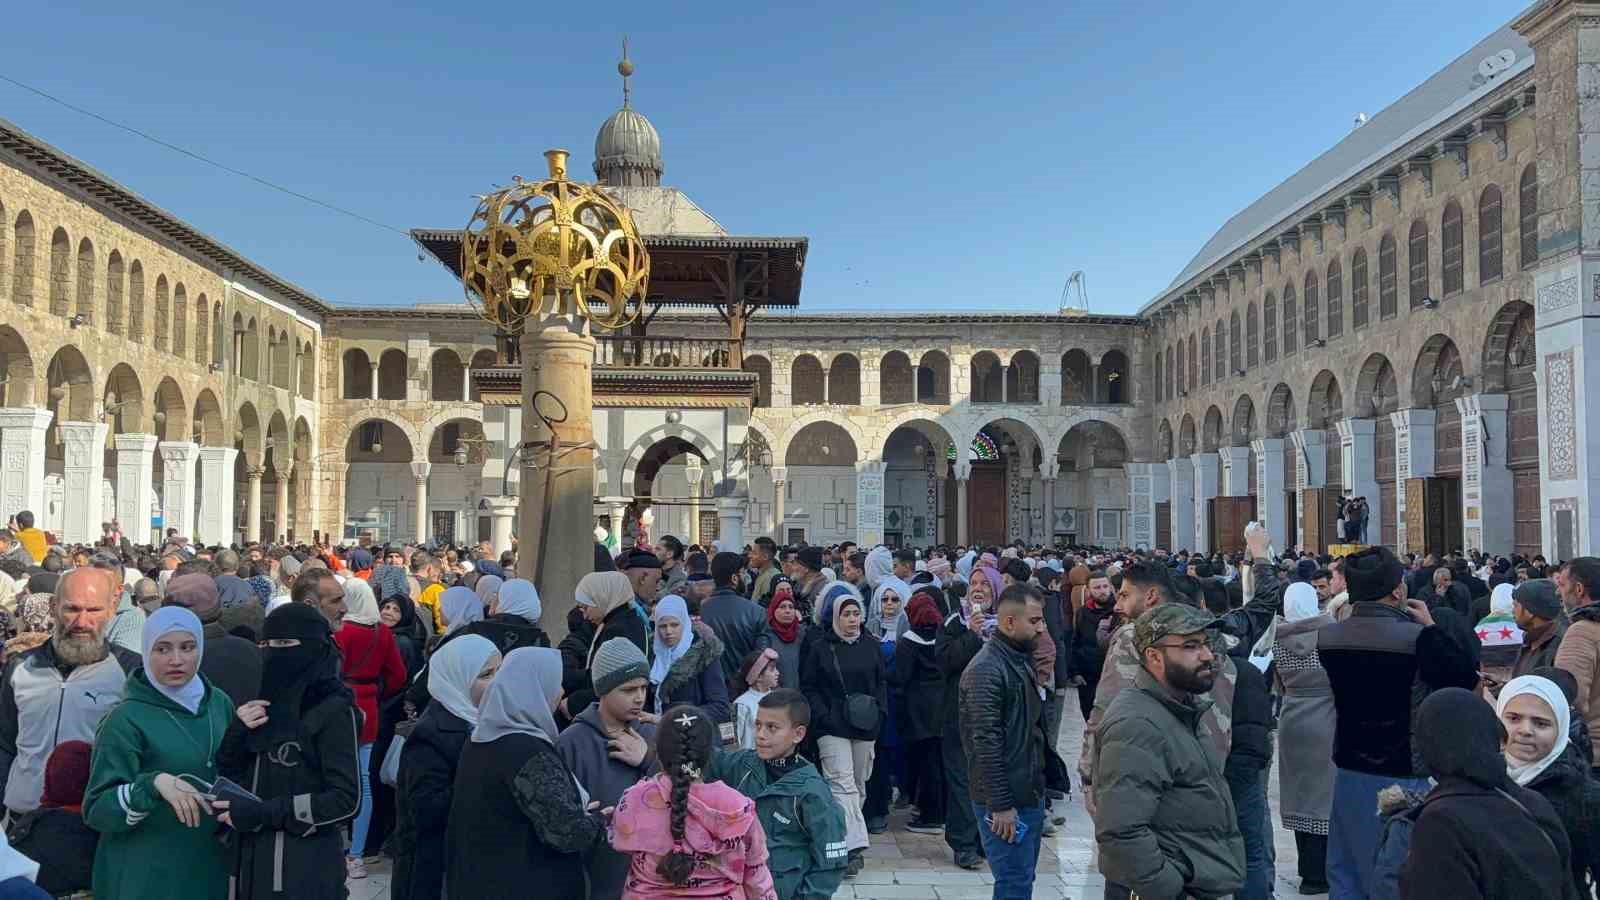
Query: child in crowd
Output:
(759,672)
(804,825)
(689,836)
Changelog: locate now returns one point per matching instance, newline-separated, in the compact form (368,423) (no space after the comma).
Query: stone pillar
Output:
(419,472)
(1047,486)
(616,508)
(280,507)
(374,391)
(217,490)
(963,471)
(136,492)
(693,472)
(1207,474)
(502,515)
(1147,486)
(1358,456)
(178,462)
(1180,474)
(1486,497)
(780,475)
(869,503)
(83,476)
(1413,458)
(22,460)
(1311,468)
(730,522)
(1235,471)
(252,508)
(466,381)
(1271,506)
(555,522)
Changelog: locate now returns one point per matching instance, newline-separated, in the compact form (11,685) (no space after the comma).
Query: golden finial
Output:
(625,68)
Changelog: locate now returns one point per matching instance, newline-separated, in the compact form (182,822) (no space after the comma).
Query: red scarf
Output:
(786,633)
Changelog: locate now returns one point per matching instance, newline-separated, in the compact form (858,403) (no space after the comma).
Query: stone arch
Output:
(1377,390)
(86,279)
(180,320)
(252,350)
(932,428)
(219,336)
(844,380)
(16,368)
(428,430)
(1090,444)
(208,420)
(1075,378)
(279,455)
(123,401)
(988,378)
(1281,417)
(1242,430)
(171,412)
(356,367)
(807,382)
(1437,375)
(377,436)
(697,441)
(71,386)
(1325,405)
(162,329)
(1211,434)
(761,367)
(1164,441)
(136,320)
(202,330)
(116,272)
(640,476)
(374,412)
(392,374)
(283,360)
(1022,377)
(1187,443)
(1022,430)
(1205,355)
(1510,335)
(308,371)
(447,379)
(897,382)
(22,275)
(821,443)
(933,378)
(780,451)
(302,443)
(60,261)
(1112,384)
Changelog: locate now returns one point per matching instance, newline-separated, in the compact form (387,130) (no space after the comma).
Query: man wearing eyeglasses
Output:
(1166,825)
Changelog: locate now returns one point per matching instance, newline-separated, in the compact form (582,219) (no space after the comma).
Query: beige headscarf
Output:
(607,590)
(362,604)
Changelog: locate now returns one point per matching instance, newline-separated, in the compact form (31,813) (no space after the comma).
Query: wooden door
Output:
(1164,526)
(1387,528)
(1437,518)
(1527,530)
(1315,537)
(1416,515)
(986,505)
(1229,516)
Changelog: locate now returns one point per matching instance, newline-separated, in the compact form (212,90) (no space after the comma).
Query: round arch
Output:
(933,378)
(857,436)
(302,442)
(1164,441)
(1326,403)
(247,434)
(821,443)
(897,382)
(450,435)
(425,434)
(279,456)
(1211,435)
(1021,429)
(1186,437)
(1377,390)
(701,445)
(71,386)
(1281,417)
(1437,371)
(16,367)
(372,411)
(171,411)
(123,400)
(1509,344)
(208,420)
(1242,430)
(380,439)
(1092,443)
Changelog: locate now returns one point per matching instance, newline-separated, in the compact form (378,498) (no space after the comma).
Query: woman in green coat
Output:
(154,755)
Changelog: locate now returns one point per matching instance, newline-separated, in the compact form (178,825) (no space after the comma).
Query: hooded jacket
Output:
(584,747)
(721,830)
(803,824)
(1166,825)
(696,678)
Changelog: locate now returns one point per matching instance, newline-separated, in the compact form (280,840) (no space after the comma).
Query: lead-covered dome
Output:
(627,151)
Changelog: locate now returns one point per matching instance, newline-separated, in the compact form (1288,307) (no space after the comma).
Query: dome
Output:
(627,151)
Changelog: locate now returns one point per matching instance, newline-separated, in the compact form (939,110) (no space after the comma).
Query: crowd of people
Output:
(265,720)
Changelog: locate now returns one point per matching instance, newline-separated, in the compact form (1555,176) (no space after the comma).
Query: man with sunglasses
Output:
(1166,825)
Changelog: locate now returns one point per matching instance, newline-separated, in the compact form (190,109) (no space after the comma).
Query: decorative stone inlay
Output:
(1559,295)
(1562,422)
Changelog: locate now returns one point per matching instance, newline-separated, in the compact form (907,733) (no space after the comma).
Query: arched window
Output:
(1269,330)
(896,382)
(988,378)
(1179,381)
(1219,353)
(86,279)
(808,384)
(1311,314)
(1358,289)
(1252,338)
(1161,384)
(22,281)
(1451,236)
(762,369)
(1528,216)
(202,330)
(1205,355)
(1235,343)
(1388,278)
(1290,320)
(60,251)
(114,288)
(180,320)
(1491,252)
(844,380)
(1194,362)
(136,302)
(1172,373)
(163,313)
(1335,300)
(1418,244)
(1022,378)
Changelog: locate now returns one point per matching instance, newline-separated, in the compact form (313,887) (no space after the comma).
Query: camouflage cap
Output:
(1169,619)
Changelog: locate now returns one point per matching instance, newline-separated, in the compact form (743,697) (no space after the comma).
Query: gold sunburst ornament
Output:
(554,247)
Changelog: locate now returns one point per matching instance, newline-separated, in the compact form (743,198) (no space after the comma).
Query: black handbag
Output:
(860,710)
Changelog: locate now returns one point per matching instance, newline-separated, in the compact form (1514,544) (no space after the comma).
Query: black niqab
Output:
(294,679)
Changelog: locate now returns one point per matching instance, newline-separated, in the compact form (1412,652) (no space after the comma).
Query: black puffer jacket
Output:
(1088,657)
(1002,731)
(1253,722)
(955,646)
(919,688)
(861,666)
(423,791)
(1575,796)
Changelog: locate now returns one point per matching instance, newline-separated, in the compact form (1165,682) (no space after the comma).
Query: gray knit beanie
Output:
(618,661)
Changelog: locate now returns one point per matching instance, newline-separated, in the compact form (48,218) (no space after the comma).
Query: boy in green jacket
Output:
(803,823)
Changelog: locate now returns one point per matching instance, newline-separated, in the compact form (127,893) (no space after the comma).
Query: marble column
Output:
(280,507)
(83,477)
(1235,471)
(136,492)
(1311,470)
(1047,487)
(1207,474)
(693,472)
(730,522)
(374,391)
(963,471)
(1413,458)
(419,473)
(780,475)
(22,431)
(252,513)
(869,503)
(1358,456)
(616,508)
(1486,497)
(1180,473)
(1271,499)
(178,463)
(502,514)
(1147,485)
(217,491)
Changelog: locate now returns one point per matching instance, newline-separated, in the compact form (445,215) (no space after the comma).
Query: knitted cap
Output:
(1538,596)
(811,558)
(617,662)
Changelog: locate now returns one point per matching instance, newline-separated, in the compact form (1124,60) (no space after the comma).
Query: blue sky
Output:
(939,156)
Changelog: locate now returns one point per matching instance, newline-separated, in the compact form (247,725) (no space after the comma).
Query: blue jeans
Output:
(1248,786)
(1013,865)
(358,828)
(1354,828)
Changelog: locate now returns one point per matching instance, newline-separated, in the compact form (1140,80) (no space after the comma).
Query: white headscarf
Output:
(518,597)
(1299,601)
(671,606)
(520,698)
(1500,600)
(451,670)
(361,603)
(879,565)
(1545,690)
(461,607)
(165,621)
(874,621)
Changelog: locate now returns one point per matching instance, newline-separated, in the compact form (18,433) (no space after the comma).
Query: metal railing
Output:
(627,352)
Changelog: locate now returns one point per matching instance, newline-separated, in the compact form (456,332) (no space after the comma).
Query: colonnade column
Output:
(1413,458)
(374,391)
(963,471)
(1486,497)
(1358,458)
(178,460)
(280,507)
(136,494)
(616,508)
(216,491)
(730,523)
(419,472)
(22,431)
(869,503)
(252,509)
(1147,486)
(83,476)
(780,474)
(1206,477)
(693,472)
(1311,469)
(502,516)
(1271,510)
(1180,474)
(1047,481)
(1235,471)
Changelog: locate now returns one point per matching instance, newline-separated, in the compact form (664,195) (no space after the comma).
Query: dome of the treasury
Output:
(627,151)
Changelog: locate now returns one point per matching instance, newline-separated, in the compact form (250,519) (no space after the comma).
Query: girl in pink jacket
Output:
(688,838)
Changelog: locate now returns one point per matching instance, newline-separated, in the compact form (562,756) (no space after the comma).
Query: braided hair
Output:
(683,745)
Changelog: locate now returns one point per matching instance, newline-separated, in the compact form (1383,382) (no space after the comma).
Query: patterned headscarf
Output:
(390,581)
(262,585)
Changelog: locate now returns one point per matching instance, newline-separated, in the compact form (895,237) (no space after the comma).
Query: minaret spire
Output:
(625,68)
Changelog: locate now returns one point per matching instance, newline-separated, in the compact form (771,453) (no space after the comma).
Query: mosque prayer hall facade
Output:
(1406,318)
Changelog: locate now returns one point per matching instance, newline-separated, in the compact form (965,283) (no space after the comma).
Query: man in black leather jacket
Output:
(1002,734)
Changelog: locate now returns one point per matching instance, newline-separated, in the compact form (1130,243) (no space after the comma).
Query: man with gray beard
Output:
(60,690)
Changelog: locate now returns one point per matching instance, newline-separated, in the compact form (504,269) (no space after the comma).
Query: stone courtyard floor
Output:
(905,865)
